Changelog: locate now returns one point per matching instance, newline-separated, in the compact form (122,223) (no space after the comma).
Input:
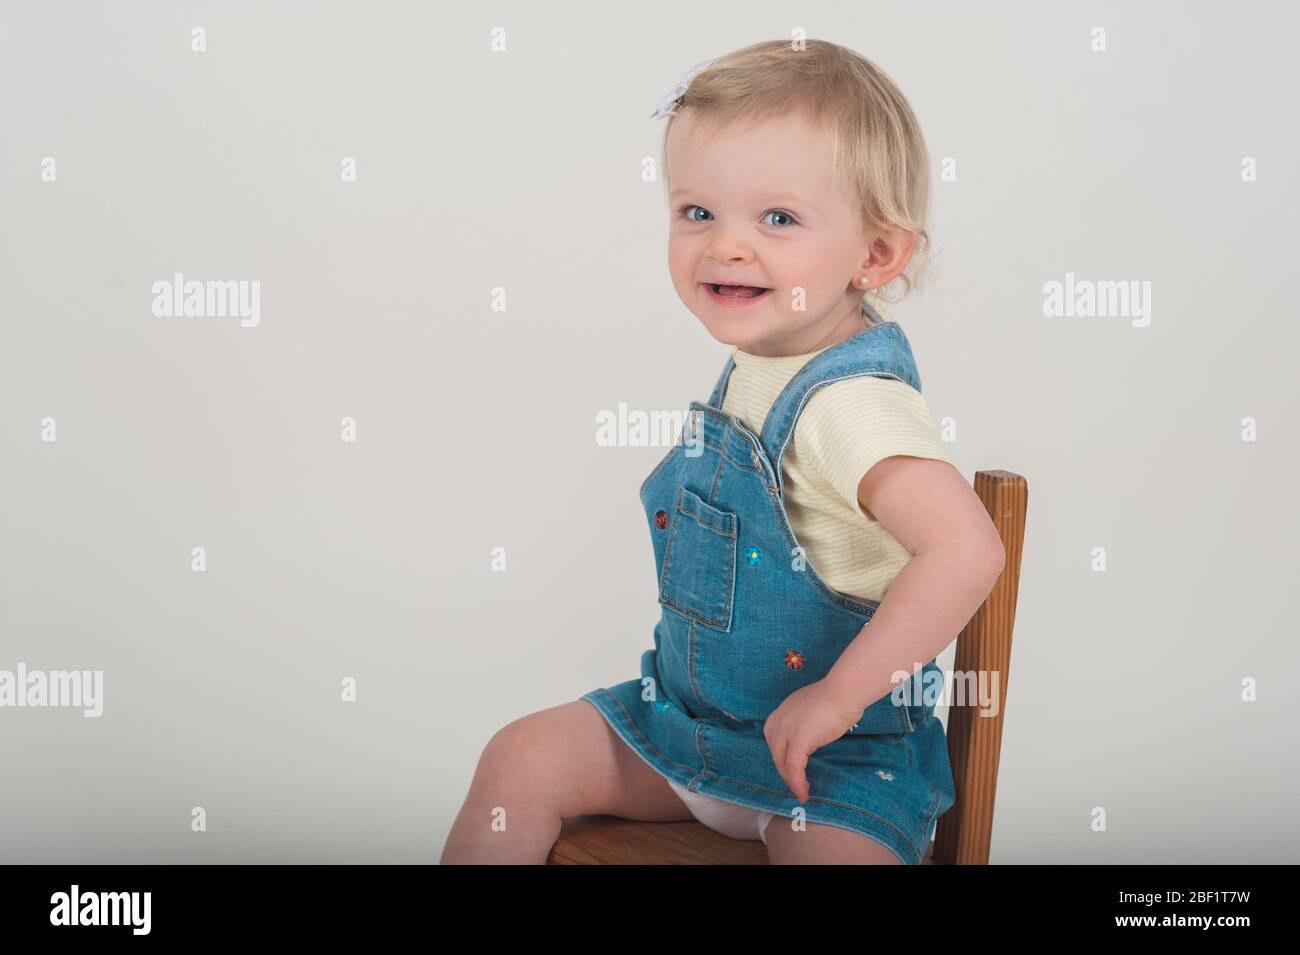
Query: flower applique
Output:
(661,518)
(794,659)
(663,705)
(752,555)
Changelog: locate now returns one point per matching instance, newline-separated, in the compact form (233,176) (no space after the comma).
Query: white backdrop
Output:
(128,156)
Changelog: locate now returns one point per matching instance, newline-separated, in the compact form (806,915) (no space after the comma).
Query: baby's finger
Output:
(779,744)
(790,769)
(798,762)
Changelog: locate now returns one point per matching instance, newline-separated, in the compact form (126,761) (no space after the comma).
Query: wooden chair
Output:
(963,833)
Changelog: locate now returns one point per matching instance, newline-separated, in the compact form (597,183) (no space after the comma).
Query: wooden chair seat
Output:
(964,832)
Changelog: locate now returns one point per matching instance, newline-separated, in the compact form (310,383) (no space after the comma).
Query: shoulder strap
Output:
(720,389)
(881,350)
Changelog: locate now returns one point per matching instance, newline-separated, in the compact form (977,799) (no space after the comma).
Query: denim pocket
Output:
(698,578)
(919,697)
(887,717)
(907,717)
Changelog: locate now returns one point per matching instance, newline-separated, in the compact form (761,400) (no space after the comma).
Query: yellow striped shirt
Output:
(845,427)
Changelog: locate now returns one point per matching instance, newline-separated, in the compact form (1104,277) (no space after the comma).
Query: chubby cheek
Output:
(807,286)
(682,261)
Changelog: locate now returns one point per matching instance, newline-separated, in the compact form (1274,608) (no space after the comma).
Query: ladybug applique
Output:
(794,659)
(661,518)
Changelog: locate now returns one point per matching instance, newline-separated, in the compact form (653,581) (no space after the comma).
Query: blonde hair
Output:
(873,133)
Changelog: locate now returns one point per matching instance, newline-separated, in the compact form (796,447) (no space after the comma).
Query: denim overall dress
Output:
(746,620)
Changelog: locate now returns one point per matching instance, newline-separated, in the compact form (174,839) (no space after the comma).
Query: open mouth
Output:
(736,294)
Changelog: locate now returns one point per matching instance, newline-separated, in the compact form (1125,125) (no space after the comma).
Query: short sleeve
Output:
(848,426)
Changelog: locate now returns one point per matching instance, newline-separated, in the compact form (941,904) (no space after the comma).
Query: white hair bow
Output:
(679,91)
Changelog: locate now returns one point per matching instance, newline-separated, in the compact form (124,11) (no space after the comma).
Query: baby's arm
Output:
(874,440)
(957,556)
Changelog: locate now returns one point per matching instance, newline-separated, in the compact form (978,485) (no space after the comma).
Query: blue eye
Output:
(686,213)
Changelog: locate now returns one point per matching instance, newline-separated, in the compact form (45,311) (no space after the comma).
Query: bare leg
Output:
(547,767)
(823,845)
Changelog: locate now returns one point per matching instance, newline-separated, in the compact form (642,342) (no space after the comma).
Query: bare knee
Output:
(552,758)
(511,756)
(515,803)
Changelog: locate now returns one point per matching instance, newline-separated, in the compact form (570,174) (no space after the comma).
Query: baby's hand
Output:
(806,720)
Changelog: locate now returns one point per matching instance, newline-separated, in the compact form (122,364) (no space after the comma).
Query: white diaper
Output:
(729,818)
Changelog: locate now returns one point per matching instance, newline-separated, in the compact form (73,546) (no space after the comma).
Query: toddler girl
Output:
(815,545)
